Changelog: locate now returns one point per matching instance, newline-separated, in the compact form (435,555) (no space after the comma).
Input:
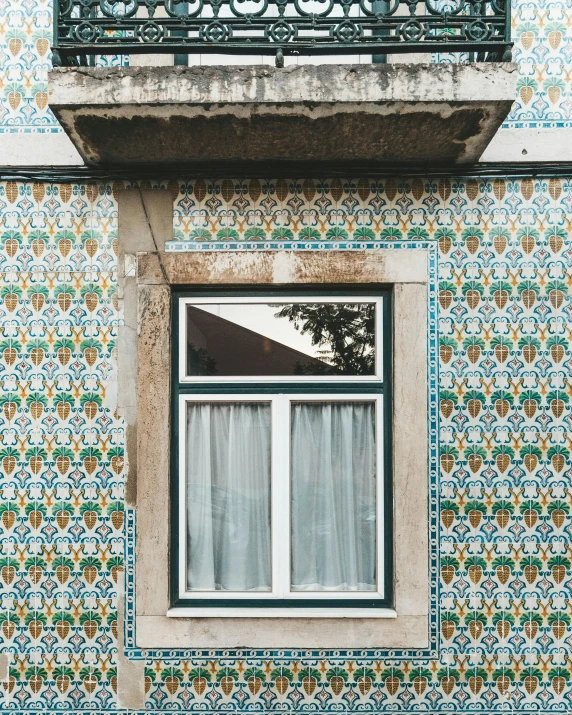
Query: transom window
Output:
(281,461)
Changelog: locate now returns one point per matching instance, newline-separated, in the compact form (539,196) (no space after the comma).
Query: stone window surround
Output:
(144,398)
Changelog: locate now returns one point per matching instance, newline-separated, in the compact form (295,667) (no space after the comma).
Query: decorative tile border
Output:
(357,656)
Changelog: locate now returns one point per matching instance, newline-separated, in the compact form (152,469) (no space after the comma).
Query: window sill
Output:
(186,612)
(368,628)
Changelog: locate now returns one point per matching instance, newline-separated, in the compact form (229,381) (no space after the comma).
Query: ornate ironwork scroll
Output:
(306,27)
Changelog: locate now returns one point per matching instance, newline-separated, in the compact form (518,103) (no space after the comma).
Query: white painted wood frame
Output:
(280,513)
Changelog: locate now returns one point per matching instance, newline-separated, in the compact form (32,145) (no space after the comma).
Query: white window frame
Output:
(280,496)
(265,299)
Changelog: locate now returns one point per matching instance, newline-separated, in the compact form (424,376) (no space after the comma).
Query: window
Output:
(281,464)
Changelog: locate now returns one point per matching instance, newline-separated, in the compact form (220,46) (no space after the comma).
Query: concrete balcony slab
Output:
(441,114)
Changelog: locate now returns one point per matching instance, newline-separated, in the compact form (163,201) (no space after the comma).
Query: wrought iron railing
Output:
(86,28)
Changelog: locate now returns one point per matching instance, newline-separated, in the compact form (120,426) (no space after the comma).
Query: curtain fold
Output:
(333,496)
(228,496)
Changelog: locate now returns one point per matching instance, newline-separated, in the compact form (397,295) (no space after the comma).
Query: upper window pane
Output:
(281,339)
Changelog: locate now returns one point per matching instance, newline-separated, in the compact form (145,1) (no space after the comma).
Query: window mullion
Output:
(280,499)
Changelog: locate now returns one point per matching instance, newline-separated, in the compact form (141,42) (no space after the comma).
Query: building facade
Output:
(476,256)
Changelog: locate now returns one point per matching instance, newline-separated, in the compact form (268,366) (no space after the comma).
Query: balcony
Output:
(86,28)
(375,107)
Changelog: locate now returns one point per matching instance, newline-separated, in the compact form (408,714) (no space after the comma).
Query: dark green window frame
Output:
(307,386)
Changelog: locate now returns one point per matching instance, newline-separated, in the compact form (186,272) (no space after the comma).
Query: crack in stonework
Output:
(152,235)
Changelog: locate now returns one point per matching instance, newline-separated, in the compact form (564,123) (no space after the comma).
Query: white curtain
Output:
(333,496)
(228,496)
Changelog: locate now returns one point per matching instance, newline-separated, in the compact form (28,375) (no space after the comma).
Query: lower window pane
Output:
(333,488)
(228,496)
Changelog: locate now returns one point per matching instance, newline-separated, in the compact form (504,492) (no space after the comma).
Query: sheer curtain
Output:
(333,487)
(228,496)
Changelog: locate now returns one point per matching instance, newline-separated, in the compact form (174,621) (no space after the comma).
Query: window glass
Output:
(333,496)
(281,484)
(281,339)
(228,496)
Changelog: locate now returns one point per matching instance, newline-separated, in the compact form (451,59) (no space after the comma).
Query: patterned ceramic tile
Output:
(61,494)
(542,32)
(504,319)
(25,59)
(25,37)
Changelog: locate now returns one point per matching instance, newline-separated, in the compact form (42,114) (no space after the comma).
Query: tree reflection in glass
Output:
(281,339)
(343,332)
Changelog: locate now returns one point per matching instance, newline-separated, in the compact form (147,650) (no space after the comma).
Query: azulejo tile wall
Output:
(504,320)
(541,30)
(542,33)
(61,448)
(25,38)
(25,60)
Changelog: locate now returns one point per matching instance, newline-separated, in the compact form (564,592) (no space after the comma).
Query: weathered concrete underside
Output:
(418,113)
